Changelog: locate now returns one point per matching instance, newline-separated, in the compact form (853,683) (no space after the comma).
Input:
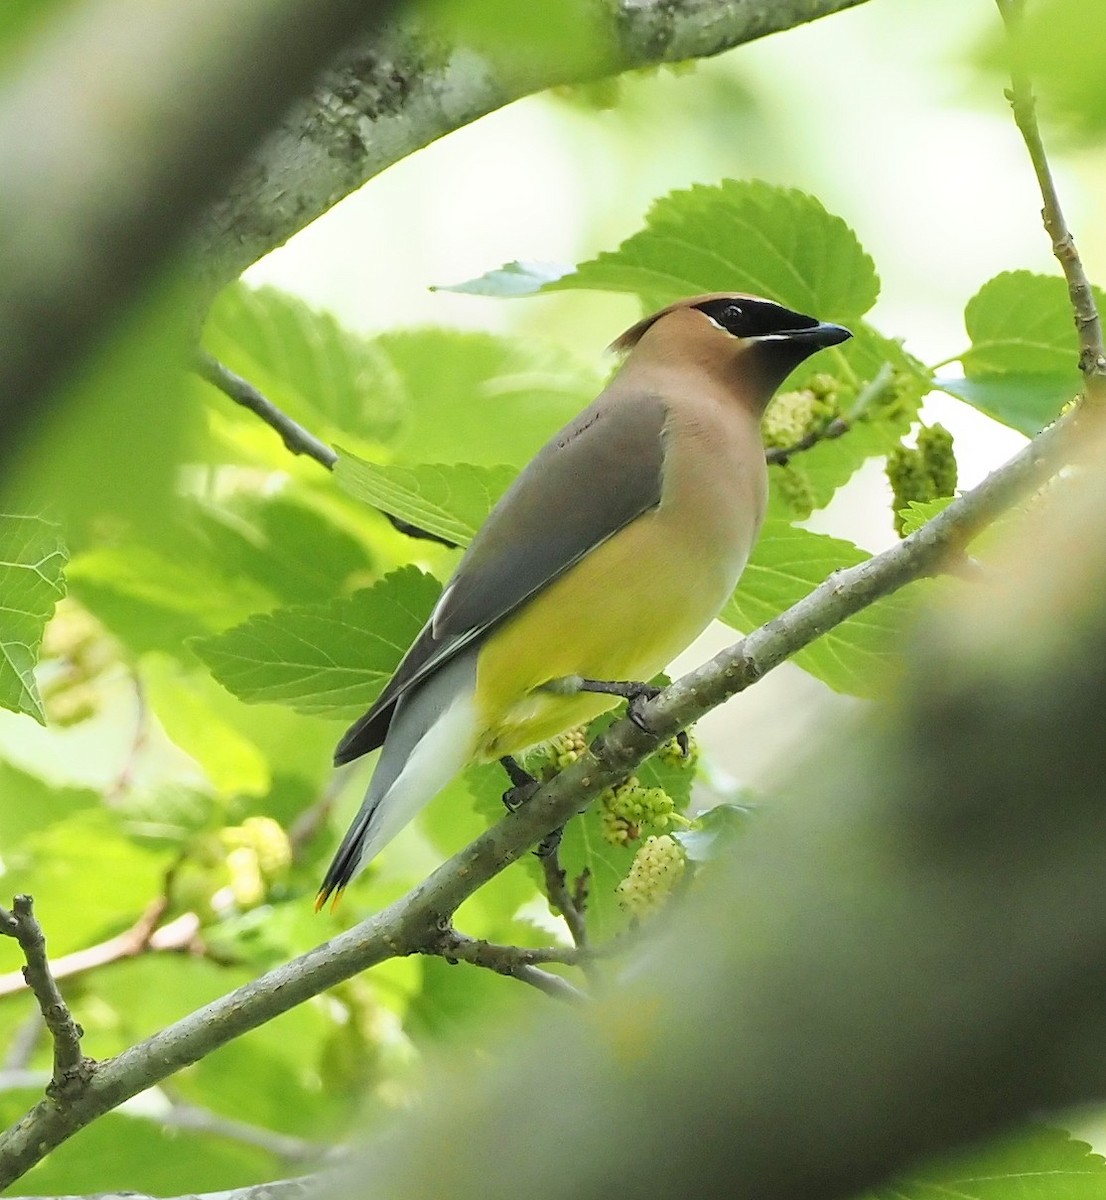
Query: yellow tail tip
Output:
(325,894)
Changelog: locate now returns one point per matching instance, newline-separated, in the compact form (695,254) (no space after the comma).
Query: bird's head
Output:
(743,336)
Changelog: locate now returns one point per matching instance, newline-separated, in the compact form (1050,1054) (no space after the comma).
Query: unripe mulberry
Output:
(657,869)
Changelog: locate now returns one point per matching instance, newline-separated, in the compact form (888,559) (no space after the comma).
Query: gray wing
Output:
(592,479)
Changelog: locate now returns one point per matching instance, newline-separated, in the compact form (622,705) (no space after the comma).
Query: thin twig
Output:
(70,1065)
(1092,353)
(123,781)
(295,437)
(556,888)
(780,456)
(181,1115)
(516,961)
(552,985)
(179,936)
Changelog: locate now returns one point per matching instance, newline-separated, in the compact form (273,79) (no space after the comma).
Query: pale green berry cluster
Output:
(671,755)
(793,415)
(927,472)
(793,486)
(657,869)
(234,868)
(265,840)
(625,810)
(567,747)
(76,654)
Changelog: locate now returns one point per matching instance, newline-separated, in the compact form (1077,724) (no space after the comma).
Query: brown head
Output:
(747,342)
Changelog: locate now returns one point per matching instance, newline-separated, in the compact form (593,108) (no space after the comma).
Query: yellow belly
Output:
(614,615)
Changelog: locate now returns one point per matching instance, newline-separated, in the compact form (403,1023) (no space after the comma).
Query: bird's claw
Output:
(523,784)
(515,797)
(636,702)
(549,844)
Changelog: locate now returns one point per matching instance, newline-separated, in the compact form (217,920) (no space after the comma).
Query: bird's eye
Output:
(732,313)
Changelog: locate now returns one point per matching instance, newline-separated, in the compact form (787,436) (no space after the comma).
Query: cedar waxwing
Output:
(608,555)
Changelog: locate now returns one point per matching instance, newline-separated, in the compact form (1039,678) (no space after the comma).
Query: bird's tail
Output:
(431,737)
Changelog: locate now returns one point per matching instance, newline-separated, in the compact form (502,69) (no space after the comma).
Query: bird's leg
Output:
(636,695)
(523,784)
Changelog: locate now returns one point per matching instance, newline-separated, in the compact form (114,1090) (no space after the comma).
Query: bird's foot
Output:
(550,844)
(636,695)
(523,784)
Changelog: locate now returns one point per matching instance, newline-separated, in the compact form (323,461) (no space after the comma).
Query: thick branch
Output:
(1092,354)
(393,98)
(416,920)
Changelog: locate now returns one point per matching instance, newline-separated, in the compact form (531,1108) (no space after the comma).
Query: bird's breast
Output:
(633,603)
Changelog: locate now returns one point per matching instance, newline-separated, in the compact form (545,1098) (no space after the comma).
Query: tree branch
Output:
(295,438)
(1092,353)
(556,889)
(179,1115)
(902,958)
(306,1187)
(386,101)
(103,172)
(70,1065)
(516,961)
(415,922)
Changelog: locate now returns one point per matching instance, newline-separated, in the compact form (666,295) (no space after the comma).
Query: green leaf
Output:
(430,395)
(585,848)
(512,279)
(295,552)
(127,421)
(123,1152)
(324,659)
(77,914)
(153,601)
(736,236)
(32,562)
(474,397)
(1021,323)
(32,805)
(544,35)
(786,565)
(1026,403)
(1023,361)
(916,514)
(450,500)
(229,759)
(715,832)
(1034,1164)
(300,358)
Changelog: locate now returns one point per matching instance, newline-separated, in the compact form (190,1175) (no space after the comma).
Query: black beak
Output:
(817,337)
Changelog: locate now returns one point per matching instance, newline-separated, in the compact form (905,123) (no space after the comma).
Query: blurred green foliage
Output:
(229,606)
